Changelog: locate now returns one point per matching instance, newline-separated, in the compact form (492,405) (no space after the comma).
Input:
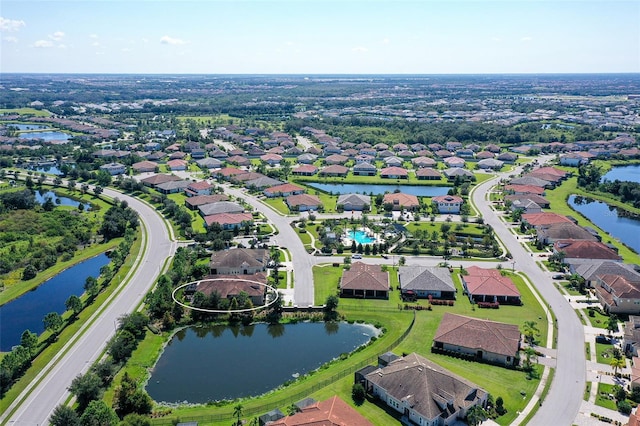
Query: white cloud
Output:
(360,49)
(172,41)
(496,39)
(11,25)
(386,41)
(43,44)
(62,46)
(10,39)
(126,49)
(93,35)
(526,39)
(57,36)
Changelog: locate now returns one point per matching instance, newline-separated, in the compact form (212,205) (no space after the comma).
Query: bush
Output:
(357,393)
(624,407)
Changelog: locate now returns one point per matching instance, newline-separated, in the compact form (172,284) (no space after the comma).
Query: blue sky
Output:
(319,36)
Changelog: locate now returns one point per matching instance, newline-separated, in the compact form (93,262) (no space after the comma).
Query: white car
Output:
(356,256)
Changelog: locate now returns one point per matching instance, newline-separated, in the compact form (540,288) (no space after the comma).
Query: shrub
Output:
(357,393)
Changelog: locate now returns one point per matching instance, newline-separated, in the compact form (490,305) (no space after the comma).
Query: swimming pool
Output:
(361,237)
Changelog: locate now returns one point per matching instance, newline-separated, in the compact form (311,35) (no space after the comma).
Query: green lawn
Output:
(603,355)
(602,399)
(598,320)
(26,111)
(278,205)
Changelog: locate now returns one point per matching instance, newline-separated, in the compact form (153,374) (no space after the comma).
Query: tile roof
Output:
(425,278)
(303,200)
(228,218)
(402,199)
(477,334)
(431,390)
(331,412)
(489,282)
(545,218)
(362,276)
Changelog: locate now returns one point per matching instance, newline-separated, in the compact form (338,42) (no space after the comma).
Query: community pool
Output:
(361,237)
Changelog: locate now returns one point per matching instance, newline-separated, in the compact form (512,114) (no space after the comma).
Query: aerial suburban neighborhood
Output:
(445,252)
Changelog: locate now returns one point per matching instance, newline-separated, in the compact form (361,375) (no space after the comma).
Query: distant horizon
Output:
(320,37)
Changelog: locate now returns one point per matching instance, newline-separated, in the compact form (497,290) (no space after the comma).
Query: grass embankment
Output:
(558,200)
(71,331)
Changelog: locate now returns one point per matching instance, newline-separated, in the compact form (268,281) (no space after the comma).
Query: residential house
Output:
(532,181)
(580,251)
(227,173)
(426,281)
(271,159)
(350,202)
(303,202)
(262,182)
(572,159)
(175,165)
(393,161)
(490,163)
(270,417)
(465,153)
(331,412)
(365,281)
(631,337)
(549,234)
(507,157)
(458,173)
(144,166)
(421,162)
(591,270)
(485,341)
(220,207)
(526,206)
(492,148)
(283,190)
(239,160)
(336,159)
(198,188)
(365,169)
(423,391)
(618,295)
(307,158)
(229,221)
(198,153)
(524,189)
(192,203)
(488,285)
(114,168)
(335,170)
(428,174)
(235,261)
(454,162)
(401,201)
(230,286)
(538,199)
(484,155)
(448,203)
(172,187)
(155,180)
(394,173)
(305,170)
(544,219)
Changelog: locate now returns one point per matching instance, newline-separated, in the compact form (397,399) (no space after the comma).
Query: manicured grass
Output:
(602,399)
(587,391)
(598,320)
(305,237)
(277,204)
(26,111)
(603,349)
(587,346)
(570,289)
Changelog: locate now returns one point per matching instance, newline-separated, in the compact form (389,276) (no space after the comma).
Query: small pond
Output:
(348,188)
(51,170)
(27,311)
(202,364)
(41,197)
(629,173)
(47,136)
(621,227)
(29,126)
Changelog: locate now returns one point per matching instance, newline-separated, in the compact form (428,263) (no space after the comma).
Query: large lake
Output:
(27,311)
(202,364)
(629,173)
(349,188)
(623,228)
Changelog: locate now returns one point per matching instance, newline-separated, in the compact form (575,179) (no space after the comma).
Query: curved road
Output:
(562,403)
(35,405)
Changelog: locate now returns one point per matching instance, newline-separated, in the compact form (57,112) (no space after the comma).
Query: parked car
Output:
(558,276)
(356,256)
(384,256)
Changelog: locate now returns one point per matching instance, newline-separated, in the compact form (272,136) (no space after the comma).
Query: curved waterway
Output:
(27,311)
(202,364)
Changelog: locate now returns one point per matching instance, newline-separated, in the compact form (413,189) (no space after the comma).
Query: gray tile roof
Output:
(425,278)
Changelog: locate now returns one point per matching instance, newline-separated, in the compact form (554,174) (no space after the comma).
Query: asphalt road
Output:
(562,403)
(302,262)
(36,407)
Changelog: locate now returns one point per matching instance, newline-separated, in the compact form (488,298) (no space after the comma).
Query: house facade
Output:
(448,203)
(426,281)
(365,281)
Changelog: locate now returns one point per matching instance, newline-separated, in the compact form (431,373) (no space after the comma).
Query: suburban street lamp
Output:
(513,266)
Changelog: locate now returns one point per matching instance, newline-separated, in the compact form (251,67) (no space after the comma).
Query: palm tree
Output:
(617,363)
(476,415)
(237,412)
(530,331)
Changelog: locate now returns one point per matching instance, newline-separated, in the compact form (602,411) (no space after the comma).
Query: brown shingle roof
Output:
(362,276)
(581,249)
(477,334)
